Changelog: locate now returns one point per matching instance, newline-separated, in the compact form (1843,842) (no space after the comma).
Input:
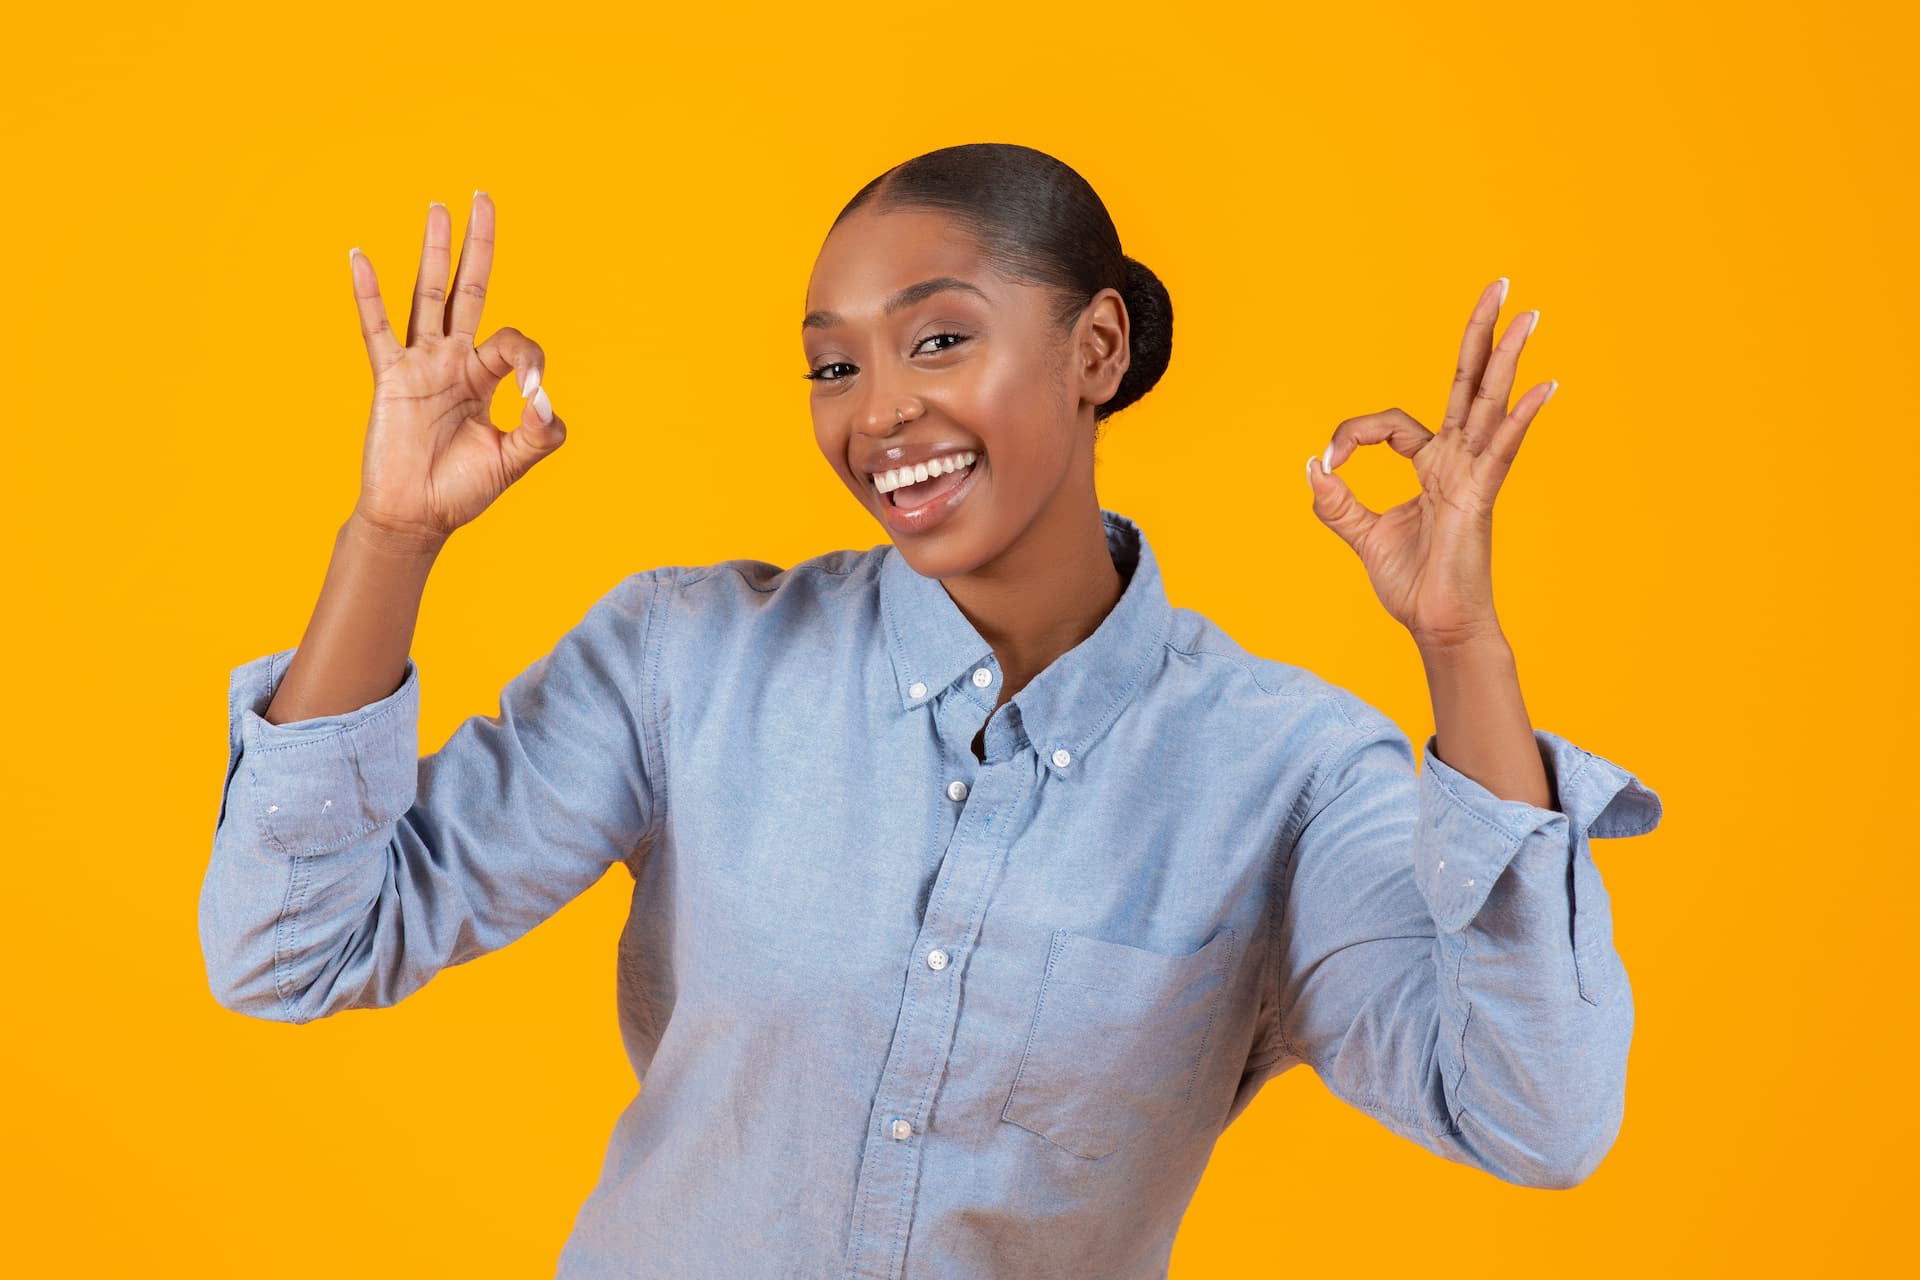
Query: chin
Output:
(938,557)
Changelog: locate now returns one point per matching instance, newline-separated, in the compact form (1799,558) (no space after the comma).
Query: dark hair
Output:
(1039,221)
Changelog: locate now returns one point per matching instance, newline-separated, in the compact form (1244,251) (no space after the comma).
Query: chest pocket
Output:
(1116,1040)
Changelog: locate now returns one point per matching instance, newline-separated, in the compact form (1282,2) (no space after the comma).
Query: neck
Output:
(1044,594)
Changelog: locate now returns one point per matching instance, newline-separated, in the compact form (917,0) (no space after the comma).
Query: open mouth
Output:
(919,493)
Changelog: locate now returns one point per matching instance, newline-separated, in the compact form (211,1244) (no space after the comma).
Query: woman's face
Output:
(979,369)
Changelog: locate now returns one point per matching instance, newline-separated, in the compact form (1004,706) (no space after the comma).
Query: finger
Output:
(540,432)
(1396,427)
(470,279)
(1473,355)
(1336,506)
(509,351)
(1504,445)
(430,285)
(1496,384)
(382,347)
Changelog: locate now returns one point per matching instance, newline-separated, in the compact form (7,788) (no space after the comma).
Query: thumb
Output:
(1335,504)
(540,432)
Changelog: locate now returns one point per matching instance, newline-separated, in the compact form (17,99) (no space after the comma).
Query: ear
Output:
(1100,348)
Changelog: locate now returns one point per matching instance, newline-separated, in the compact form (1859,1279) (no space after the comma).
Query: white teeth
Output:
(901,477)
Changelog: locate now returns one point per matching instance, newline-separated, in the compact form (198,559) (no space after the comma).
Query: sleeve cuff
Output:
(1467,835)
(320,784)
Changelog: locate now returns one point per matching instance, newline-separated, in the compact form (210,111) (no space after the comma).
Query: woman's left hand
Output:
(1431,557)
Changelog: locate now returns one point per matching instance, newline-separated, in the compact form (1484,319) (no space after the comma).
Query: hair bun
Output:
(1149,335)
(1037,221)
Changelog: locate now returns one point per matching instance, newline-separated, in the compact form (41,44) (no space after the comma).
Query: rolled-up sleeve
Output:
(1445,957)
(347,869)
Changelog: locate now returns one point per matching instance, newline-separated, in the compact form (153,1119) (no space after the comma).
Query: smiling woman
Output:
(976,888)
(975,299)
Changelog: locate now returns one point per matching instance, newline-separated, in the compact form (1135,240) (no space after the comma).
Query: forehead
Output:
(871,255)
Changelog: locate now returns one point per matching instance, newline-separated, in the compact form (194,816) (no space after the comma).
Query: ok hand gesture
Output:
(433,460)
(1431,558)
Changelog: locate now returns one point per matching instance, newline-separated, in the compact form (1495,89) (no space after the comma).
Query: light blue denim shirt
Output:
(899,1011)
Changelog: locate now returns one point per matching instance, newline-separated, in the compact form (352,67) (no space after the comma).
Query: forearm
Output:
(1480,719)
(1445,957)
(355,647)
(304,855)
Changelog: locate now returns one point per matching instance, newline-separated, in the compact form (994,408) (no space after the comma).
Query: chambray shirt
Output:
(902,1011)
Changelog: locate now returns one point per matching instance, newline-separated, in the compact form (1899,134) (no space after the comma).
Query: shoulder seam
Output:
(1240,660)
(653,737)
(812,564)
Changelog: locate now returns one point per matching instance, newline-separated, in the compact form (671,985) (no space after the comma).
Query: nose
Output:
(880,420)
(885,411)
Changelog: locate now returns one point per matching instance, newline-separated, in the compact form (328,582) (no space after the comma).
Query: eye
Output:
(958,338)
(820,374)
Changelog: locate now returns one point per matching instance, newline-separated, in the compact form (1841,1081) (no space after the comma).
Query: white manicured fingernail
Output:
(543,406)
(529,381)
(1551,388)
(1326,459)
(1534,323)
(1503,291)
(1309,473)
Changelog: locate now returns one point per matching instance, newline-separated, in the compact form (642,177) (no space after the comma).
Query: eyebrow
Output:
(900,301)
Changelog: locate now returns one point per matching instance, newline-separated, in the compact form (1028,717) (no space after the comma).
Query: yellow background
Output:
(1703,553)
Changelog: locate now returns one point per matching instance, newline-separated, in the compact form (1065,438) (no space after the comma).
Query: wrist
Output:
(1467,642)
(393,542)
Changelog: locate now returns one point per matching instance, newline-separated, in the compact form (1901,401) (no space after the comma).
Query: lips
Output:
(939,507)
(909,455)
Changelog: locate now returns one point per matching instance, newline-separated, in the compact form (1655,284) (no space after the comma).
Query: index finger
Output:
(1397,427)
(470,279)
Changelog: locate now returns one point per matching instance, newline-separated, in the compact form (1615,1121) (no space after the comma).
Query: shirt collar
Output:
(1065,708)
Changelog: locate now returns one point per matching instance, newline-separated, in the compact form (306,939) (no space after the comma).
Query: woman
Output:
(976,888)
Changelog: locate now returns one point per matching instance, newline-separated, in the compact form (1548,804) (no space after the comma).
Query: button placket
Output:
(908,1089)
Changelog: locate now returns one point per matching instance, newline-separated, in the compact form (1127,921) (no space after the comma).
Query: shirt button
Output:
(916,690)
(901,1129)
(1061,758)
(956,790)
(936,959)
(982,678)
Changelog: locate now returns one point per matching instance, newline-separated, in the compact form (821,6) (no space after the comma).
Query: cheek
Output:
(1019,410)
(833,443)
(831,438)
(1038,437)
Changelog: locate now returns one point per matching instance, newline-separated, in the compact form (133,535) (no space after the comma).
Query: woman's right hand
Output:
(433,459)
